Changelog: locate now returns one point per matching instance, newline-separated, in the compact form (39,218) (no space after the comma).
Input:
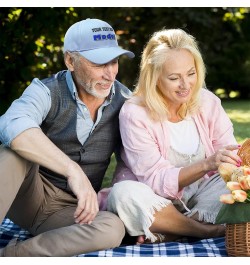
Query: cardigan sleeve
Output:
(142,140)
(213,123)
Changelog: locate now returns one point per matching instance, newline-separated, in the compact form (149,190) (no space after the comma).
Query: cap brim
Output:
(105,55)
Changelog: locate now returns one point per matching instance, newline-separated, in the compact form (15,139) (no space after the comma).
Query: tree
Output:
(32,40)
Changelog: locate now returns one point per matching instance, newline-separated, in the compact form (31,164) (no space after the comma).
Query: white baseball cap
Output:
(95,40)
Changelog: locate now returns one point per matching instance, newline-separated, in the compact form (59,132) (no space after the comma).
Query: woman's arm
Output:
(145,147)
(190,174)
(144,153)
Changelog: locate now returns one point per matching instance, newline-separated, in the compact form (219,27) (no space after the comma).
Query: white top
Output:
(184,136)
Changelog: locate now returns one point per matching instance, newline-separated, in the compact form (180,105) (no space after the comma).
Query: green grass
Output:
(239,113)
(109,173)
(237,110)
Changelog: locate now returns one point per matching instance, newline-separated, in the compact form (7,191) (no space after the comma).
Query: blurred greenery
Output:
(239,113)
(32,39)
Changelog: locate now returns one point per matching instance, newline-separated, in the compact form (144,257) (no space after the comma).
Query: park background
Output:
(31,41)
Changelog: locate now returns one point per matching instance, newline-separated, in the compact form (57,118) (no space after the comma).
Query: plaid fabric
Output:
(185,248)
(9,231)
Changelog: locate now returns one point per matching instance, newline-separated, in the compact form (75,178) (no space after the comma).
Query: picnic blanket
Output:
(214,247)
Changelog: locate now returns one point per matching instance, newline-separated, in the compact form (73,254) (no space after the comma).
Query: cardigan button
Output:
(82,150)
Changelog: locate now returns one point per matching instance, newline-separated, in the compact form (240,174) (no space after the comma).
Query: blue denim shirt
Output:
(32,107)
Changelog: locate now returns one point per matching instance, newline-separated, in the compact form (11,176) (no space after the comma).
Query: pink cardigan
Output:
(146,145)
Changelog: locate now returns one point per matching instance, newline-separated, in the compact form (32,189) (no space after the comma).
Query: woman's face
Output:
(178,78)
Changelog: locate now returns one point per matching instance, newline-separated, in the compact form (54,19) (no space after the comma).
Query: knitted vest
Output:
(60,127)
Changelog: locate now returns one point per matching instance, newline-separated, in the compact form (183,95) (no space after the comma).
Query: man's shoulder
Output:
(60,76)
(122,88)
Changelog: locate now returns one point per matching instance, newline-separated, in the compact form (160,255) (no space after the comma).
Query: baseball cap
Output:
(95,40)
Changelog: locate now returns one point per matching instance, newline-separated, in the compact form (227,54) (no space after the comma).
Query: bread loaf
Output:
(226,170)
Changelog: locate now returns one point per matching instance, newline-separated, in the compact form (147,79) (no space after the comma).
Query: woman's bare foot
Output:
(160,239)
(212,231)
(215,230)
(140,240)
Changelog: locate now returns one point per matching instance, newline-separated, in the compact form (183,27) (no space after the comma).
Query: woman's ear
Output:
(69,61)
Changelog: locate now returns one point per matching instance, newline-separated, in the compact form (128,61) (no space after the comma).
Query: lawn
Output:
(239,113)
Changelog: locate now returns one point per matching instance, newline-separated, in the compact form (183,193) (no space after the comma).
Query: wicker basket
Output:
(238,235)
(238,240)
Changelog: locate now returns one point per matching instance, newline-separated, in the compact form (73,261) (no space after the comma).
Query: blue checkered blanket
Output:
(214,247)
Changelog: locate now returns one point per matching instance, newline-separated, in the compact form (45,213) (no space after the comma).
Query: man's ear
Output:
(69,61)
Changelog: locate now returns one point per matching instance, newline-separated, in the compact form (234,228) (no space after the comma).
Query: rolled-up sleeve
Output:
(26,112)
(143,154)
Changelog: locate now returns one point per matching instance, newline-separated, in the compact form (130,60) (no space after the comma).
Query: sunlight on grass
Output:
(239,116)
(239,113)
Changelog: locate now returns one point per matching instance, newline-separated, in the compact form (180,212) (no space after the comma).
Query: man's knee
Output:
(112,228)
(11,161)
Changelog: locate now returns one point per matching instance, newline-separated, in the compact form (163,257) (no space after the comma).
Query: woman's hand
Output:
(195,171)
(226,154)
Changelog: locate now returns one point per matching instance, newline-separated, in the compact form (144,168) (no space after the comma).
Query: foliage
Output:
(32,39)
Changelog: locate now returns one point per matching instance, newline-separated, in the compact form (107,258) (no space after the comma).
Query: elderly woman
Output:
(175,135)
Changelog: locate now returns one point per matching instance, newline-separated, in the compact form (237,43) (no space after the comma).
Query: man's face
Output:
(95,79)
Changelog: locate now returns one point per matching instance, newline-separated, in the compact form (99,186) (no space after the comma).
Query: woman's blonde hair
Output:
(153,58)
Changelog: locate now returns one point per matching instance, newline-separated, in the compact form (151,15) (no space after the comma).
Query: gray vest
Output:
(60,126)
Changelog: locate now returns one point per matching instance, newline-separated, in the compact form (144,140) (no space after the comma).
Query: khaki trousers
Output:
(36,205)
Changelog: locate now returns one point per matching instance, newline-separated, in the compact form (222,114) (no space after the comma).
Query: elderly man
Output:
(58,138)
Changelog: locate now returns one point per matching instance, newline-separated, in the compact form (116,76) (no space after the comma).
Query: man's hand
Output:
(87,206)
(35,146)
